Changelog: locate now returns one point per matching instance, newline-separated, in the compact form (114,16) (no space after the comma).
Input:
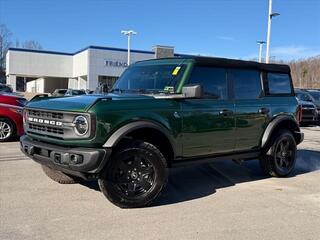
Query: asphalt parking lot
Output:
(221,200)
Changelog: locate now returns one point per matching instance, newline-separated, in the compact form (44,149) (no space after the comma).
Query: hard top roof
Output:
(234,63)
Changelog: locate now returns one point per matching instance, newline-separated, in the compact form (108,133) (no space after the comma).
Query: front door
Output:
(208,123)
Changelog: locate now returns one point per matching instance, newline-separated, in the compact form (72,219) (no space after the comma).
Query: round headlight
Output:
(81,125)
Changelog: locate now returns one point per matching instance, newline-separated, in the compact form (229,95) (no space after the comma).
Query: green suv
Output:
(163,113)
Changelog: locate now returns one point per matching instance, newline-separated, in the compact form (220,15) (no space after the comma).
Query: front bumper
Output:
(80,162)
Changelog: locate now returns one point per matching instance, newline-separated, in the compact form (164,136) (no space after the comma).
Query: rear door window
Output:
(247,83)
(279,83)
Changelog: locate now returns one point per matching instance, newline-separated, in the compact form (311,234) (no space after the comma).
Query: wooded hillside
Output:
(306,72)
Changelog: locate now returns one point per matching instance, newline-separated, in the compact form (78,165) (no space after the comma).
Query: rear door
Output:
(251,107)
(208,123)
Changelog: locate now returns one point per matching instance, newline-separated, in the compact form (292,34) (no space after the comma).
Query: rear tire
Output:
(59,176)
(135,175)
(7,130)
(280,158)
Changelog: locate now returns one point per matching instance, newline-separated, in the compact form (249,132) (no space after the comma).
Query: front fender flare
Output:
(126,129)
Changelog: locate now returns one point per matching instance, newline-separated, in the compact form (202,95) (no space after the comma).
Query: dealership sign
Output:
(121,64)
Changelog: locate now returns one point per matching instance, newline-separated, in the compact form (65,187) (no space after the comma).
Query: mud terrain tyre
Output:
(135,176)
(280,158)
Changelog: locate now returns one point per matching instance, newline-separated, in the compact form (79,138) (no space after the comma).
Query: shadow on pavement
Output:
(197,181)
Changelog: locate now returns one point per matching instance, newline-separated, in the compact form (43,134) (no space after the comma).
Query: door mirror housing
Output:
(192,91)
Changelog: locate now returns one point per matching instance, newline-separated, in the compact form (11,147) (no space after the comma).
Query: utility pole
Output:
(129,33)
(260,49)
(270,16)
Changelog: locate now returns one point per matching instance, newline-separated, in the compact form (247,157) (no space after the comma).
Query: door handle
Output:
(264,110)
(225,112)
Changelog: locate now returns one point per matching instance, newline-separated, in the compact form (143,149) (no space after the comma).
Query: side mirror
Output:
(192,91)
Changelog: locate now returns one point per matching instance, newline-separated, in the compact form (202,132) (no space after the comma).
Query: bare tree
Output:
(31,44)
(306,72)
(5,43)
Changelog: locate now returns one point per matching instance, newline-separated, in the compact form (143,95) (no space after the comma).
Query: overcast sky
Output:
(227,28)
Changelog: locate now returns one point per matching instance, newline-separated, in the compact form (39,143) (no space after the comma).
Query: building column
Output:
(79,83)
(12,81)
(92,81)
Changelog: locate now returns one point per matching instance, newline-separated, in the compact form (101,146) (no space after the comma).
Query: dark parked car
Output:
(11,108)
(163,113)
(74,92)
(5,88)
(59,92)
(315,94)
(309,109)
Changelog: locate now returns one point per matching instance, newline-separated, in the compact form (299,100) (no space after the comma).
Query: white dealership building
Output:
(44,71)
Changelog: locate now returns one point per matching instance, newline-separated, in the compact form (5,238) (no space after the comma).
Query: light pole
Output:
(128,33)
(270,16)
(260,49)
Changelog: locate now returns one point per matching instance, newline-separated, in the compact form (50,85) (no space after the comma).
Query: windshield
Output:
(315,95)
(150,78)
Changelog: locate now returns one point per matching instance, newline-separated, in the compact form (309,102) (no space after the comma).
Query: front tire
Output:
(280,159)
(59,176)
(7,130)
(135,175)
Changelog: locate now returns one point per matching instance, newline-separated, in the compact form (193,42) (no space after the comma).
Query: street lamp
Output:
(270,16)
(260,49)
(128,33)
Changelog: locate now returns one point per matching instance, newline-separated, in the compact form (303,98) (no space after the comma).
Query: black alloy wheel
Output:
(280,159)
(135,176)
(285,154)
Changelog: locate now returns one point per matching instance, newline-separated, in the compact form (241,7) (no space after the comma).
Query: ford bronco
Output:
(163,113)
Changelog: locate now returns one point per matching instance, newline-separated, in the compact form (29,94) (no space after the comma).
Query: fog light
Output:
(76,159)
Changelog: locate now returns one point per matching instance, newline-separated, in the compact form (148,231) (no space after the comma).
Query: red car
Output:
(11,109)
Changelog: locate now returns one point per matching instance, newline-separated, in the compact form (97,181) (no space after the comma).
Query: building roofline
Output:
(39,51)
(81,50)
(114,49)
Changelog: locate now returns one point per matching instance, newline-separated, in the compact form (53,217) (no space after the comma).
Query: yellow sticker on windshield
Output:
(176,71)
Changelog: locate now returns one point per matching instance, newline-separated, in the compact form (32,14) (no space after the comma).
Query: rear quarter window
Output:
(279,83)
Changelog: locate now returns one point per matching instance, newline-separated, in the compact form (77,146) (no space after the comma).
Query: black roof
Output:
(225,62)
(234,63)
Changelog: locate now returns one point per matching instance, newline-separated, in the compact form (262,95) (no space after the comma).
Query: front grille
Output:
(46,123)
(53,124)
(45,129)
(308,112)
(45,114)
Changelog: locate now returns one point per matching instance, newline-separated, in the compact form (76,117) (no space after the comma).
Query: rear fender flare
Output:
(274,124)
